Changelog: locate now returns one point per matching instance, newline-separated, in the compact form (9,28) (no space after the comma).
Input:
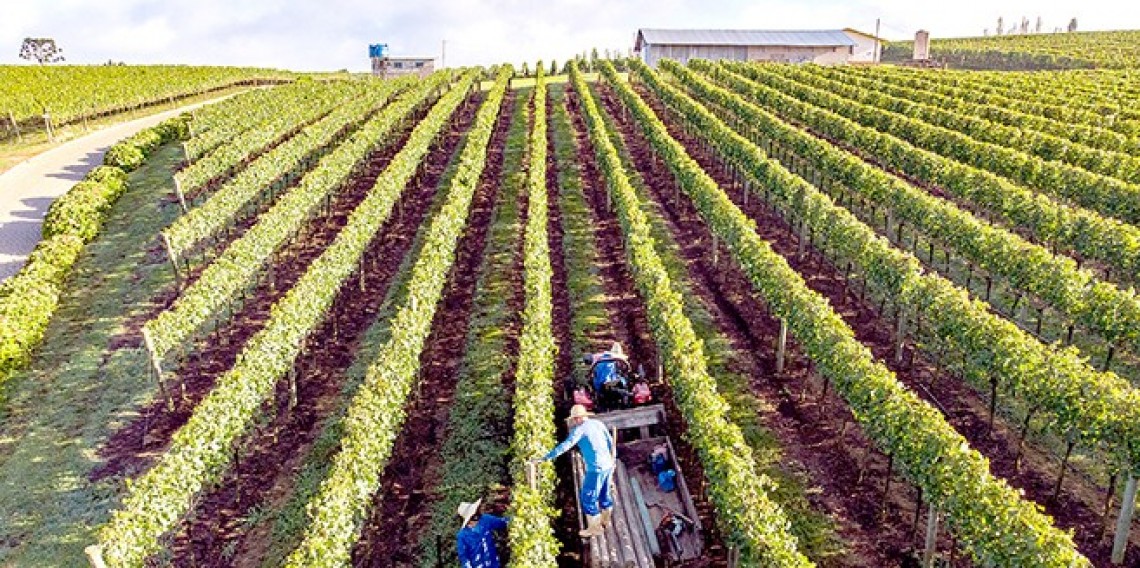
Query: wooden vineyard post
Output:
(181,195)
(781,346)
(94,555)
(900,337)
(931,548)
(16,127)
(531,475)
(47,126)
(156,366)
(1124,522)
(173,259)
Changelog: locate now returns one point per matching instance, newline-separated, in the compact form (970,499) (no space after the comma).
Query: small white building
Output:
(826,47)
(389,67)
(868,48)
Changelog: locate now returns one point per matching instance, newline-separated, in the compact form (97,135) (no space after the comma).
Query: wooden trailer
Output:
(645,518)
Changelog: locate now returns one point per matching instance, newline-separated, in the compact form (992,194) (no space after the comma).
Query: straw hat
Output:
(579,411)
(468,510)
(616,350)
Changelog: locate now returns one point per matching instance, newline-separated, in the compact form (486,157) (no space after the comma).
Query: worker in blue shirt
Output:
(476,539)
(606,365)
(597,447)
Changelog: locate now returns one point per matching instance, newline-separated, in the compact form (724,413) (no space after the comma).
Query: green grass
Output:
(289,521)
(79,389)
(813,528)
(583,277)
(476,448)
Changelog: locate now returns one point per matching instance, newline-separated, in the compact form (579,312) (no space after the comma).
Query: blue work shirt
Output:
(605,371)
(593,440)
(476,544)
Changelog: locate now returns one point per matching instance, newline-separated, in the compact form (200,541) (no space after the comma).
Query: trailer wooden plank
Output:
(631,518)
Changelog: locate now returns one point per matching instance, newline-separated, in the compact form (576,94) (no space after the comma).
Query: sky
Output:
(330,35)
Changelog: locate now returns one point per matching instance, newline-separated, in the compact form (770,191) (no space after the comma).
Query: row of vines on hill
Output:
(374,417)
(202,450)
(741,495)
(954,478)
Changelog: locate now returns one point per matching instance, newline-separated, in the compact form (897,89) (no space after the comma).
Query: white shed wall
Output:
(867,49)
(823,55)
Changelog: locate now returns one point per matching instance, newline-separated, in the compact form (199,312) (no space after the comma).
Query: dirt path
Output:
(28,189)
(401,508)
(629,324)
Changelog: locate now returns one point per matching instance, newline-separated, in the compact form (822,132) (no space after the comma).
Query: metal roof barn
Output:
(799,46)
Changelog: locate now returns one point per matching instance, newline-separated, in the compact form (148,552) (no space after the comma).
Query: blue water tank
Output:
(378,50)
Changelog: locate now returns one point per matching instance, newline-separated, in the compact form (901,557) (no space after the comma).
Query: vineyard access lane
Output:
(629,323)
(27,190)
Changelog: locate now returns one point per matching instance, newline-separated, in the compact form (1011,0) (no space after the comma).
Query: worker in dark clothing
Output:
(476,539)
(606,366)
(597,446)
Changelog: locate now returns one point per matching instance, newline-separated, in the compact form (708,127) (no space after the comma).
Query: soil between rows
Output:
(205,254)
(1077,508)
(133,448)
(276,451)
(803,426)
(401,509)
(629,324)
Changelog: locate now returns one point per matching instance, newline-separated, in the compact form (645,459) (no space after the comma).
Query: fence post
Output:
(931,537)
(47,125)
(16,127)
(781,345)
(173,259)
(531,475)
(900,336)
(1124,522)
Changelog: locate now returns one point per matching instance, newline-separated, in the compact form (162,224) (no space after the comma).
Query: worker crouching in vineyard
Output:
(476,539)
(597,447)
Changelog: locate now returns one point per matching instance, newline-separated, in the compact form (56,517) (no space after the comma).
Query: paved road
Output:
(28,189)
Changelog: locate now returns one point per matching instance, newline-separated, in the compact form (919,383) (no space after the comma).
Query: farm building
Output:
(390,67)
(828,47)
(868,48)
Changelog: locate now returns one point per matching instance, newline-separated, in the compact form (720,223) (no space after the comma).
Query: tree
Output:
(1037,28)
(553,67)
(593,57)
(525,69)
(1072,25)
(1000,25)
(41,49)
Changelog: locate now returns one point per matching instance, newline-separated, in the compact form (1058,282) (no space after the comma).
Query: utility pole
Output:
(878,42)
(443,56)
